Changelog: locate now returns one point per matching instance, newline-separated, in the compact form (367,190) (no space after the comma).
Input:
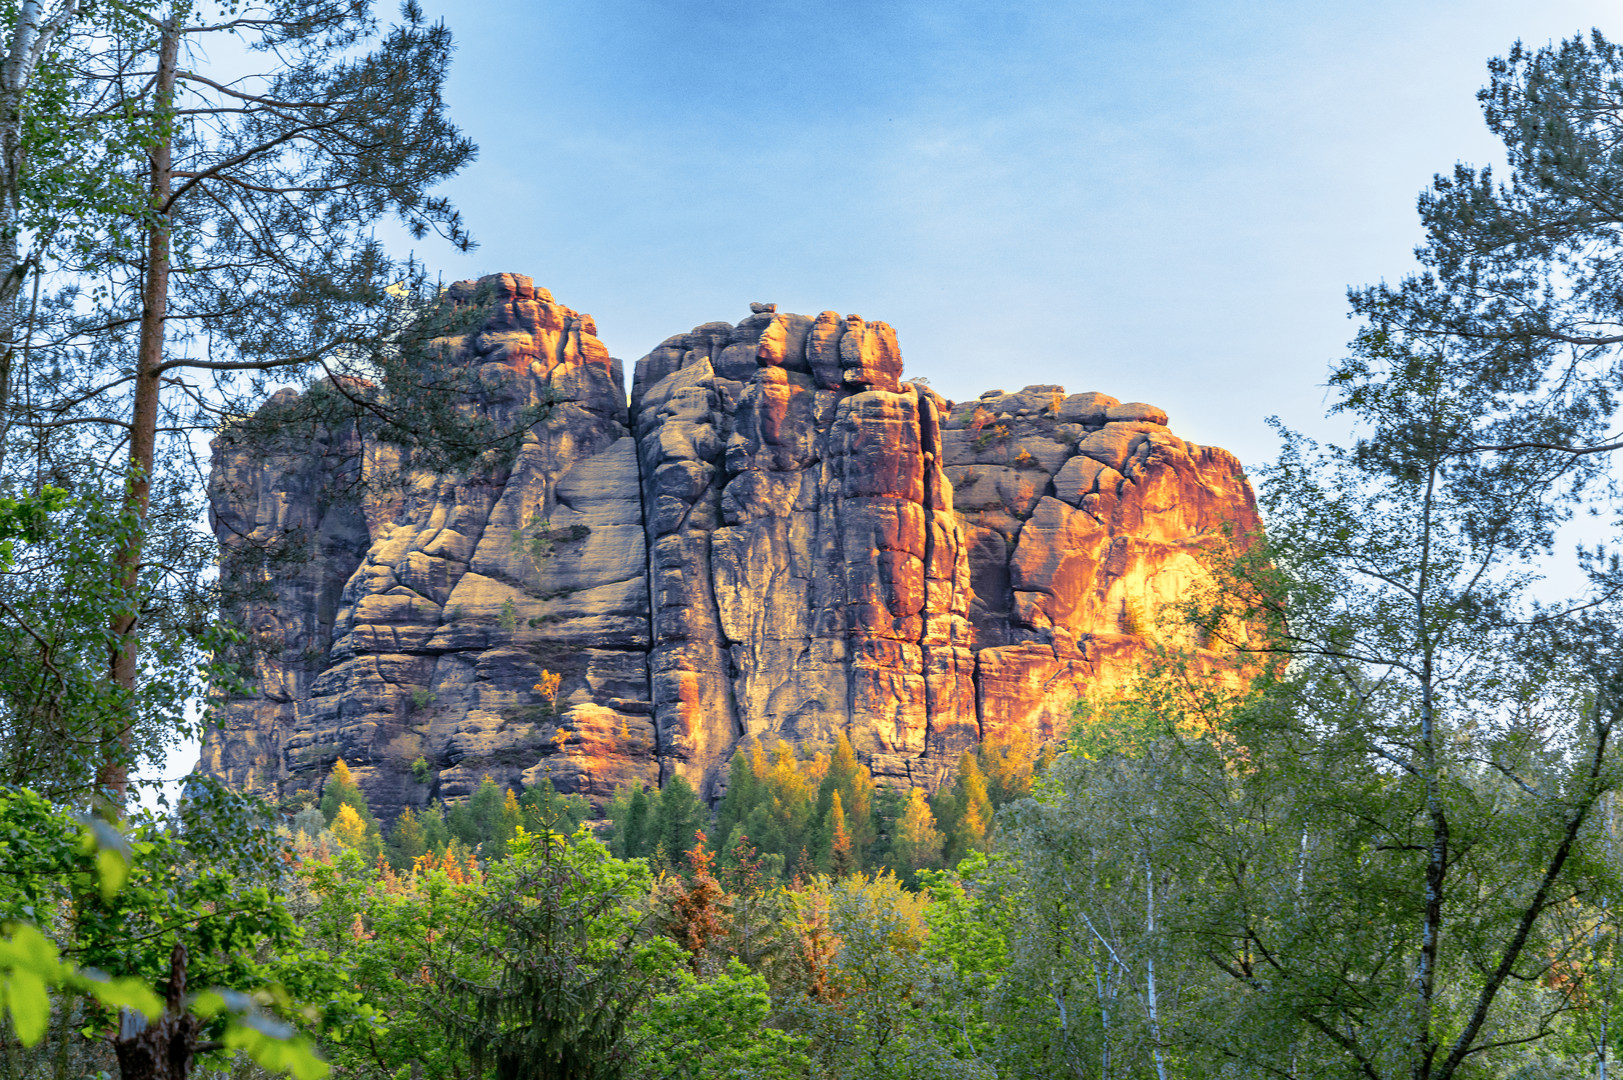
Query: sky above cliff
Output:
(1162,201)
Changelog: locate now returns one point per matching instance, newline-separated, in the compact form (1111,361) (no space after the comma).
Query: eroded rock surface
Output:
(808,570)
(777,538)
(1084,517)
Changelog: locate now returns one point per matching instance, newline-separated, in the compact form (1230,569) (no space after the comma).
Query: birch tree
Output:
(1100,870)
(61,142)
(1428,769)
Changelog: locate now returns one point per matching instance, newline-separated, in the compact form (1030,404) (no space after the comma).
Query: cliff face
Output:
(778,538)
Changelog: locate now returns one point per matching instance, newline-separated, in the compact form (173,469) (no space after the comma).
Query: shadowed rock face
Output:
(779,539)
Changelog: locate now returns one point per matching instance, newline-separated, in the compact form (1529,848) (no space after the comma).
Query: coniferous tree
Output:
(340,791)
(756,907)
(842,850)
(478,819)
(694,901)
(436,833)
(349,828)
(785,818)
(512,817)
(565,964)
(407,840)
(629,812)
(743,790)
(917,843)
(675,819)
(1384,852)
(252,249)
(850,779)
(965,809)
(544,808)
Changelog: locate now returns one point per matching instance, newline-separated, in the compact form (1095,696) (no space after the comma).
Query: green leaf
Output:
(30,1005)
(113,871)
(126,993)
(279,1054)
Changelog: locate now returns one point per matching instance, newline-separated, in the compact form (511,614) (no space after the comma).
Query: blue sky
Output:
(1162,201)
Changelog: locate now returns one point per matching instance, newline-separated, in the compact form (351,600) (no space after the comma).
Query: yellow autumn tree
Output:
(341,790)
(842,858)
(1008,762)
(408,840)
(851,779)
(918,843)
(965,810)
(512,816)
(349,827)
(547,687)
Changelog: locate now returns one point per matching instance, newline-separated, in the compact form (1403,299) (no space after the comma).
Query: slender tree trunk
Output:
(30,37)
(114,774)
(1425,1042)
(1152,1002)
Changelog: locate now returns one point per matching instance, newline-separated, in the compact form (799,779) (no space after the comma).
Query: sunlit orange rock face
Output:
(1085,519)
(778,538)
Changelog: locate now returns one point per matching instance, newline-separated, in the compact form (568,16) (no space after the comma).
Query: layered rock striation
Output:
(777,538)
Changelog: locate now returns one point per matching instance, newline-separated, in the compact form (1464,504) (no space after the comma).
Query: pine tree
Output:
(479,819)
(512,817)
(256,236)
(677,817)
(852,780)
(743,790)
(630,839)
(968,810)
(695,901)
(436,834)
(544,808)
(487,804)
(790,805)
(755,903)
(459,861)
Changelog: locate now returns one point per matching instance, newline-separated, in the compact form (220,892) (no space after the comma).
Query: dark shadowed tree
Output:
(545,975)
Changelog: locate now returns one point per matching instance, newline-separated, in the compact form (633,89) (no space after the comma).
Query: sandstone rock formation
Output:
(778,538)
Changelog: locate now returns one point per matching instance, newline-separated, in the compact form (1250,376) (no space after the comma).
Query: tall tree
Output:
(544,974)
(675,818)
(1432,762)
(917,843)
(253,250)
(848,782)
(1519,276)
(340,791)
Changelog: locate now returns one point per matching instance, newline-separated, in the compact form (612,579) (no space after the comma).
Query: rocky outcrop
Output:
(778,538)
(1084,518)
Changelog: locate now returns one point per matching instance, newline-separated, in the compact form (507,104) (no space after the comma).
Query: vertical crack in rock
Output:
(776,539)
